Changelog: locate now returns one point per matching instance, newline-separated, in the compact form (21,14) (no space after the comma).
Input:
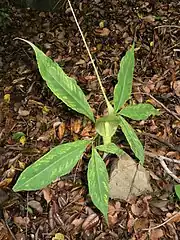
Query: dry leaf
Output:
(80,62)
(86,131)
(90,222)
(176,87)
(76,125)
(23,112)
(36,205)
(156,234)
(47,194)
(112,214)
(130,223)
(21,221)
(103,32)
(61,130)
(4,183)
(149,19)
(177,108)
(175,218)
(141,223)
(20,236)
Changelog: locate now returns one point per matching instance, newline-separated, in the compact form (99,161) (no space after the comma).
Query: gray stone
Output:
(128,178)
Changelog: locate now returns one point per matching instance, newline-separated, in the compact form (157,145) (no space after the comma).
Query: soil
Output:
(33,120)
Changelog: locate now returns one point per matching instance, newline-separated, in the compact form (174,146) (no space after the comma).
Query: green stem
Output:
(106,140)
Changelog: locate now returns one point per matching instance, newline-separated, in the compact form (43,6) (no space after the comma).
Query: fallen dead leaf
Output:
(35,205)
(149,19)
(21,221)
(156,234)
(47,194)
(140,208)
(76,125)
(177,108)
(141,223)
(130,222)
(112,214)
(176,87)
(103,32)
(90,222)
(174,218)
(61,130)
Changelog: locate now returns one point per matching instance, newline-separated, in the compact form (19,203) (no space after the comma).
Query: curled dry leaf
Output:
(113,211)
(104,32)
(90,222)
(130,223)
(47,194)
(61,130)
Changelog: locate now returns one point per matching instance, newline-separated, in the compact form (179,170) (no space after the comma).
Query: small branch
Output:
(170,26)
(159,157)
(163,164)
(92,61)
(162,224)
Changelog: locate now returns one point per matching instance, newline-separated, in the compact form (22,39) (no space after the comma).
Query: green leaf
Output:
(132,139)
(56,163)
(177,190)
(107,126)
(110,148)
(123,88)
(98,182)
(139,112)
(64,87)
(17,135)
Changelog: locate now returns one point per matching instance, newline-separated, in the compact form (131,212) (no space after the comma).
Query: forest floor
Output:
(31,117)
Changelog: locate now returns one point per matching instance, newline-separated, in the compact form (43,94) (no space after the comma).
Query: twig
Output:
(170,26)
(163,164)
(162,224)
(90,56)
(6,224)
(159,157)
